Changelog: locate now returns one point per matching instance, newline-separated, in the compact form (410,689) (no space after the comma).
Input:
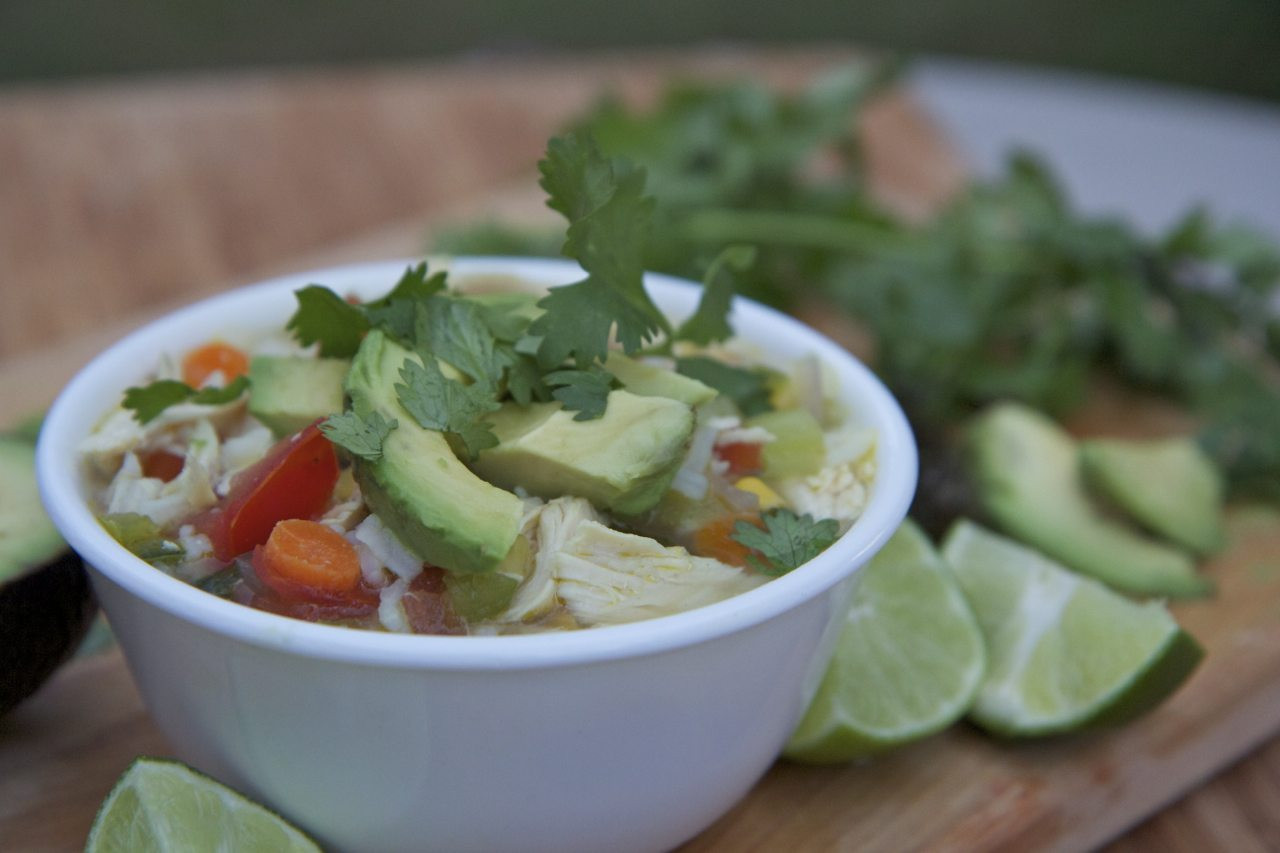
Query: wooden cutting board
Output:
(60,753)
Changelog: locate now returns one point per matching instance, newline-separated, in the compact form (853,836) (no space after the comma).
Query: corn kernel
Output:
(769,499)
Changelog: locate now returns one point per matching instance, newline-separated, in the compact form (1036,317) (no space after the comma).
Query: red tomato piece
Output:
(358,610)
(161,464)
(294,480)
(743,457)
(426,604)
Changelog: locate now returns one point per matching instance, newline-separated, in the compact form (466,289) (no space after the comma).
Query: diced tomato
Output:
(744,457)
(427,605)
(215,357)
(294,480)
(357,610)
(161,464)
(714,539)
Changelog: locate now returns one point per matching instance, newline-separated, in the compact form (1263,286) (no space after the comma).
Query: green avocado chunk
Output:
(650,380)
(622,462)
(289,392)
(1027,475)
(46,605)
(798,448)
(27,536)
(1168,486)
(436,506)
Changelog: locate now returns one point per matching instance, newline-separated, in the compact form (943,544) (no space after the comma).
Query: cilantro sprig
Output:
(455,330)
(438,402)
(148,401)
(786,540)
(610,218)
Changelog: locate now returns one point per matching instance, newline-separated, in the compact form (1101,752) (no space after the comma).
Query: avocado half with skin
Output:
(46,604)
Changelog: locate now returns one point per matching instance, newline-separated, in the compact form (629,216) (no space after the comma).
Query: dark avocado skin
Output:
(44,614)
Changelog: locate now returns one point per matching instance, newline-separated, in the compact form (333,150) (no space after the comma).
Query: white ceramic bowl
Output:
(633,737)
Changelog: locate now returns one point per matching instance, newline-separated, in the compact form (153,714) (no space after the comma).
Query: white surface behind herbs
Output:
(1146,151)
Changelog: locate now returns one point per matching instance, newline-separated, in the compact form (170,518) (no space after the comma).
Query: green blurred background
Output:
(1224,45)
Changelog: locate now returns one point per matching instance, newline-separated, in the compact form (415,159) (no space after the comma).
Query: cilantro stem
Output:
(781,228)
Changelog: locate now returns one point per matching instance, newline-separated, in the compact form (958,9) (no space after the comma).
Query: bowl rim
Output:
(60,481)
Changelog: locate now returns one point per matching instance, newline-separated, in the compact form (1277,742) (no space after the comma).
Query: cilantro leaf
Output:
(326,318)
(578,319)
(440,403)
(710,322)
(583,391)
(456,331)
(748,388)
(507,315)
(414,285)
(525,381)
(361,435)
(609,223)
(786,541)
(148,401)
(396,313)
(214,396)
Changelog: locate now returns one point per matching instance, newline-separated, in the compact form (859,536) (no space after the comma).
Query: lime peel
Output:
(1065,652)
(908,661)
(160,804)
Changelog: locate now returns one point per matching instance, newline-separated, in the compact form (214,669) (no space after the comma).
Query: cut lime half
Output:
(162,805)
(1065,652)
(908,661)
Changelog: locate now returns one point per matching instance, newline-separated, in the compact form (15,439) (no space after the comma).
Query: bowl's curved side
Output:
(639,753)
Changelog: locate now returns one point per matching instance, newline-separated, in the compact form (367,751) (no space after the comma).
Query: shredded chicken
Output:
(168,503)
(606,577)
(547,526)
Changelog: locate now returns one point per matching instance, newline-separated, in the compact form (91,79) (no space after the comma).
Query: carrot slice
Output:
(306,559)
(214,357)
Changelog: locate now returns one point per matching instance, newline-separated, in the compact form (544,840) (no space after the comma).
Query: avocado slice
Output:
(1027,476)
(1168,486)
(798,449)
(622,462)
(287,393)
(650,380)
(436,506)
(46,605)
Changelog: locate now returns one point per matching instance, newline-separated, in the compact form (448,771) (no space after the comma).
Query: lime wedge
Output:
(1065,652)
(908,661)
(162,805)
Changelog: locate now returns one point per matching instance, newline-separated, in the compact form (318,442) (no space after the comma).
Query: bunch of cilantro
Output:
(557,352)
(1008,293)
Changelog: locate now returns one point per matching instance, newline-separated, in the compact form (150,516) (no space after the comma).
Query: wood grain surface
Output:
(126,199)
